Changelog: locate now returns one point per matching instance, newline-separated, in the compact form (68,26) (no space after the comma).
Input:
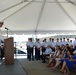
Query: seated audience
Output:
(69,63)
(69,53)
(56,56)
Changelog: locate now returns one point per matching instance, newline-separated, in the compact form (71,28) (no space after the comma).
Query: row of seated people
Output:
(63,56)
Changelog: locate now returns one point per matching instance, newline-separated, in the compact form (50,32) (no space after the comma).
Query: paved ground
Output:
(15,69)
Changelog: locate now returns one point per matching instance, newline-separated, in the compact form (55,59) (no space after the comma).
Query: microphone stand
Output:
(7,31)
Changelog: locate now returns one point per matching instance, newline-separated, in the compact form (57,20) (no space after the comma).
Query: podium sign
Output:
(9,51)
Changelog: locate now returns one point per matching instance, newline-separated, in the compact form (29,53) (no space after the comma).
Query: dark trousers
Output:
(53,49)
(43,49)
(2,54)
(44,57)
(37,54)
(30,54)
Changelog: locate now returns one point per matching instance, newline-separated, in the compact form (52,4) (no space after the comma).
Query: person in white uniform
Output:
(68,42)
(61,43)
(27,45)
(50,42)
(53,45)
(30,45)
(37,49)
(64,42)
(71,43)
(74,43)
(44,45)
(57,42)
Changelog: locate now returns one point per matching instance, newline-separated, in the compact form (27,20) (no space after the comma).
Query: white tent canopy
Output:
(38,16)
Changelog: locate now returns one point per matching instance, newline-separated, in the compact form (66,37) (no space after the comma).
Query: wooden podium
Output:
(9,51)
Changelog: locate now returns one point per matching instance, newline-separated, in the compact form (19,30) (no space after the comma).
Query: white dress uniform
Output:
(74,43)
(27,44)
(58,43)
(37,50)
(38,44)
(49,43)
(30,50)
(45,44)
(31,44)
(68,43)
(61,43)
(53,44)
(64,42)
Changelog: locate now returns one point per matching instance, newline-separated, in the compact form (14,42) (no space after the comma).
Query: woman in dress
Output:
(66,56)
(69,63)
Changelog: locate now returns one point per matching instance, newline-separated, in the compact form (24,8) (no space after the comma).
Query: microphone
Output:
(6,28)
(9,30)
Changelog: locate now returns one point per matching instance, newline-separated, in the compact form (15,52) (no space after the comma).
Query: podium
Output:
(9,51)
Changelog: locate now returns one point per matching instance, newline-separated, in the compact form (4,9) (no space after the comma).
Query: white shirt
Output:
(74,43)
(58,43)
(49,43)
(27,43)
(68,43)
(61,43)
(48,50)
(37,44)
(31,44)
(44,44)
(53,44)
(64,42)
